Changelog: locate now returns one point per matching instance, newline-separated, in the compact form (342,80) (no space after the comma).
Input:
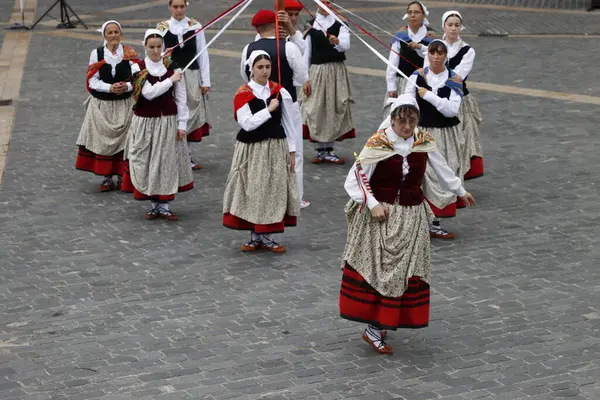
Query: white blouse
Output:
(447,107)
(390,73)
(323,23)
(179,28)
(293,57)
(466,64)
(403,147)
(150,91)
(250,122)
(111,59)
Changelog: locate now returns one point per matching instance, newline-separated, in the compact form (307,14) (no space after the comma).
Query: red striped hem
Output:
(348,135)
(197,134)
(232,222)
(98,164)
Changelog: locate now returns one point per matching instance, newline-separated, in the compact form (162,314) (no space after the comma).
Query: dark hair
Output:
(403,110)
(261,57)
(437,46)
(453,15)
(185,2)
(418,3)
(153,36)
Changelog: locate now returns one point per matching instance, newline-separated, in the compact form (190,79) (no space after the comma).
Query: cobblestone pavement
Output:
(97,303)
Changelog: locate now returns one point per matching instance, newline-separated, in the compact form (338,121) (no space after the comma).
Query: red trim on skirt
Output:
(232,222)
(348,135)
(447,212)
(476,169)
(197,134)
(99,164)
(361,303)
(127,186)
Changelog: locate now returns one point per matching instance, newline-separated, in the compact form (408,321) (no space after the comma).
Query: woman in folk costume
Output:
(439,95)
(197,76)
(327,96)
(159,161)
(108,109)
(386,272)
(261,194)
(460,60)
(411,43)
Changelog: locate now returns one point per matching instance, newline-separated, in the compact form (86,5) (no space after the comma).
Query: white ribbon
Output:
(378,54)
(218,33)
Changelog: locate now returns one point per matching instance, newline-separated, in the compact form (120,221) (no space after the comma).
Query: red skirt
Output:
(476,169)
(232,222)
(447,212)
(197,134)
(360,302)
(306,135)
(127,186)
(98,164)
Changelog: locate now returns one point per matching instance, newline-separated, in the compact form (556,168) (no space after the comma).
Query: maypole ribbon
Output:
(378,54)
(219,33)
(208,25)
(279,6)
(368,22)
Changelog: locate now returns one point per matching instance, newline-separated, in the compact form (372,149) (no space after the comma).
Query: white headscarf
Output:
(253,56)
(402,100)
(425,21)
(151,32)
(104,25)
(447,14)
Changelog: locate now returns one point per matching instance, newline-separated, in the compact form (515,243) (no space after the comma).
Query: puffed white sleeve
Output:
(344,39)
(390,73)
(466,65)
(446,177)
(134,69)
(243,66)
(287,120)
(151,91)
(411,89)
(308,42)
(298,40)
(181,100)
(95,83)
(248,121)
(204,60)
(447,107)
(356,189)
(296,62)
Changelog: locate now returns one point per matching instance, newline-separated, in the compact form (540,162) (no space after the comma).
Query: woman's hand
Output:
(468,199)
(307,89)
(379,213)
(292,161)
(334,40)
(176,77)
(204,90)
(393,94)
(422,92)
(414,45)
(180,134)
(118,88)
(273,105)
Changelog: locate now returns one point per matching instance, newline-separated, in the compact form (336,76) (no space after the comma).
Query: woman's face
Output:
(112,35)
(415,15)
(437,59)
(452,27)
(261,71)
(154,49)
(177,8)
(405,124)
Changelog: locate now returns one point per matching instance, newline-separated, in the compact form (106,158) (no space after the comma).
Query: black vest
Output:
(322,51)
(271,129)
(409,57)
(430,116)
(456,60)
(122,74)
(182,55)
(287,73)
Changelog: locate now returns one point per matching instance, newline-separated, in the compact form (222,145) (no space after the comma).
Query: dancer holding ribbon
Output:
(439,95)
(159,161)
(409,48)
(386,270)
(289,70)
(108,114)
(288,21)
(261,194)
(197,77)
(327,96)
(461,57)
